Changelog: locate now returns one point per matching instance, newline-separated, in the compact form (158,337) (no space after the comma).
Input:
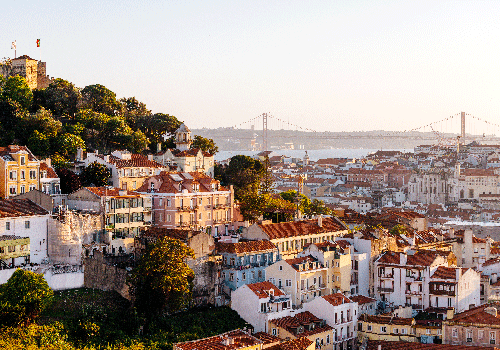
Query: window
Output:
(454,332)
(13,175)
(281,267)
(469,336)
(23,189)
(7,225)
(403,330)
(244,276)
(32,187)
(288,283)
(27,224)
(383,329)
(23,161)
(396,331)
(369,328)
(275,332)
(231,277)
(492,338)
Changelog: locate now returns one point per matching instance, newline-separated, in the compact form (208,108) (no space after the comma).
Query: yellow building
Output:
(19,171)
(386,328)
(12,247)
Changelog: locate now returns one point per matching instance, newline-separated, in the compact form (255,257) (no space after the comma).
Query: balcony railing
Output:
(413,292)
(385,290)
(387,275)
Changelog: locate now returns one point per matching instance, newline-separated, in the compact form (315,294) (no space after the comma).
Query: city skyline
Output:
(333,66)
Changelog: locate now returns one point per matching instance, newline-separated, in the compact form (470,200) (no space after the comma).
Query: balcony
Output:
(387,275)
(415,306)
(413,292)
(415,278)
(385,290)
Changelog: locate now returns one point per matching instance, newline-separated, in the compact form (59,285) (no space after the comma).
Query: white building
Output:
(257,303)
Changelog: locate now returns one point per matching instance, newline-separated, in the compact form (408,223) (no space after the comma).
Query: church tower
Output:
(183,138)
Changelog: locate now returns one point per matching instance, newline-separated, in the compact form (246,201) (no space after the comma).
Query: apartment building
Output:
(245,262)
(388,328)
(191,201)
(304,278)
(19,171)
(125,213)
(257,303)
(292,237)
(339,312)
(128,171)
(23,232)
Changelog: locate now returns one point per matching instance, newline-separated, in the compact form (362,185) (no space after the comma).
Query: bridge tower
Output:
(264,132)
(462,129)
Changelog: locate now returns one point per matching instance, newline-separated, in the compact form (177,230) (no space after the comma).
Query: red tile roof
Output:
(5,152)
(337,299)
(261,289)
(19,207)
(112,192)
(445,273)
(51,174)
(300,228)
(477,315)
(245,247)
(293,323)
(176,182)
(361,299)
(301,343)
(399,345)
(232,340)
(136,161)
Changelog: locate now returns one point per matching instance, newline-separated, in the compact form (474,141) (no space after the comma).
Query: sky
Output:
(323,65)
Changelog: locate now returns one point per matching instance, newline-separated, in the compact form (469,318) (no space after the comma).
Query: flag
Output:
(13,45)
(37,42)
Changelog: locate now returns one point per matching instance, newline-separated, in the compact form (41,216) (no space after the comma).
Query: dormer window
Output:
(152,186)
(22,160)
(180,187)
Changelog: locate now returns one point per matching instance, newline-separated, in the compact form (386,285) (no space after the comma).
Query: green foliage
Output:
(156,126)
(134,111)
(67,144)
(206,145)
(11,118)
(100,99)
(306,206)
(244,173)
(59,162)
(35,337)
(16,89)
(95,174)
(27,293)
(62,98)
(399,230)
(162,281)
(70,182)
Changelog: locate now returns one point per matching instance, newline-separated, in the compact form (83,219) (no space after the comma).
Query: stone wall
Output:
(105,273)
(68,233)
(206,282)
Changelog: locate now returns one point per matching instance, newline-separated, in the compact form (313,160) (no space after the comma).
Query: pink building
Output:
(191,201)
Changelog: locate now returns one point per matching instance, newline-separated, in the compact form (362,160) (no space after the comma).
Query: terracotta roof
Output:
(491,262)
(301,343)
(266,338)
(295,262)
(361,299)
(112,192)
(244,247)
(300,228)
(5,152)
(422,258)
(388,320)
(445,273)
(136,161)
(337,299)
(477,315)
(176,182)
(293,323)
(51,174)
(261,289)
(19,207)
(233,340)
(398,345)
(477,172)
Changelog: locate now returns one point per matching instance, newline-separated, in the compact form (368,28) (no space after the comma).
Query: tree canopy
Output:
(24,296)
(162,281)
(206,145)
(95,174)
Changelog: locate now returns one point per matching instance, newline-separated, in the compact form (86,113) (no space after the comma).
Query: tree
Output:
(162,280)
(62,98)
(16,89)
(11,117)
(68,144)
(133,111)
(206,145)
(244,173)
(100,99)
(156,126)
(27,293)
(95,174)
(70,182)
(306,207)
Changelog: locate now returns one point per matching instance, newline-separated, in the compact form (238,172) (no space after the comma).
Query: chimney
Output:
(158,147)
(379,347)
(450,313)
(320,220)
(150,157)
(452,232)
(79,154)
(48,161)
(106,158)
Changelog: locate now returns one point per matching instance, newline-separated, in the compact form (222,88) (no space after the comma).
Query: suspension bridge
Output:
(460,128)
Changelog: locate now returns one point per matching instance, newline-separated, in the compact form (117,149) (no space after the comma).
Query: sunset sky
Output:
(325,65)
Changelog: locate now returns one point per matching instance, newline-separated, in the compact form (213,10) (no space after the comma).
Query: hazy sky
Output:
(326,65)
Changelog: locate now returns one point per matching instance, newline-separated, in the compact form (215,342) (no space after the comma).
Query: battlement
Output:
(35,72)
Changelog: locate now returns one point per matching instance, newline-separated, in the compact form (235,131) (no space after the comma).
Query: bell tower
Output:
(183,138)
